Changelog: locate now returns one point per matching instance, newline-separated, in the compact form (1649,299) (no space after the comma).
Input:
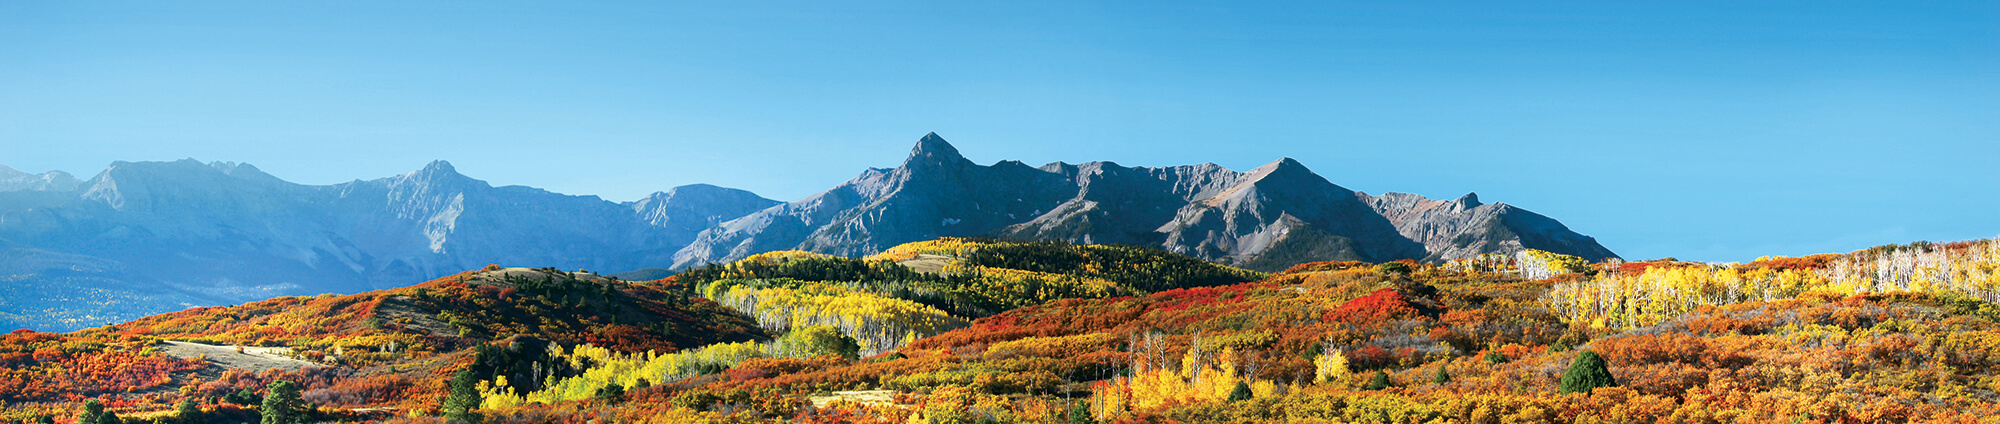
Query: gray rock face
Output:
(205,234)
(1271,217)
(1463,227)
(934,193)
(687,210)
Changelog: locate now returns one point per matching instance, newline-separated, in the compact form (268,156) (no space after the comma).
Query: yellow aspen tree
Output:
(1331,367)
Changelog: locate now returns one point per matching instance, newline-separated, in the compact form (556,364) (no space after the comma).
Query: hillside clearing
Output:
(252,358)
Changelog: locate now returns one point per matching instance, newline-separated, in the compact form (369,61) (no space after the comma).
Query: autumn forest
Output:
(968,330)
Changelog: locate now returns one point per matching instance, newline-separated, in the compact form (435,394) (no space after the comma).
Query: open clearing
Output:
(252,358)
(930,264)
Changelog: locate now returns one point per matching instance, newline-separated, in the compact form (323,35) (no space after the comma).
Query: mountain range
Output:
(146,237)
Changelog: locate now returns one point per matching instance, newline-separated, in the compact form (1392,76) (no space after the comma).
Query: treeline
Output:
(1631,296)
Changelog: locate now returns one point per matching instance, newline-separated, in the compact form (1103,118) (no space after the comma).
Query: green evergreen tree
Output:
(1495,358)
(282,404)
(244,397)
(1242,392)
(611,392)
(110,418)
(1441,377)
(92,411)
(464,400)
(45,419)
(1381,381)
(187,413)
(1587,372)
(1079,412)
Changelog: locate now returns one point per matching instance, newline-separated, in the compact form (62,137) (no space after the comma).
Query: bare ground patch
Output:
(251,359)
(403,310)
(929,264)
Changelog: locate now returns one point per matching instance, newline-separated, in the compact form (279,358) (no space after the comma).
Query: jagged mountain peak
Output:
(1272,216)
(437,169)
(1283,167)
(1285,162)
(934,150)
(438,173)
(440,165)
(231,226)
(1287,174)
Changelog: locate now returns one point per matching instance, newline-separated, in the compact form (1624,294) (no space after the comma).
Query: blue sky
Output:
(1703,131)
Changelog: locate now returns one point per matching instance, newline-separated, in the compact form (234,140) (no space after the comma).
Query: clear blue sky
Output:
(1704,131)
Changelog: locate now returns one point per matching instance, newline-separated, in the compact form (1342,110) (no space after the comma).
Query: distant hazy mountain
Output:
(147,237)
(166,235)
(15,180)
(1270,217)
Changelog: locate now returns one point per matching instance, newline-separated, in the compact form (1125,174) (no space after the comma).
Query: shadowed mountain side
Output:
(1268,218)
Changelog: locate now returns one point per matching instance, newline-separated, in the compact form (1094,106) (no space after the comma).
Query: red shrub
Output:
(1382,305)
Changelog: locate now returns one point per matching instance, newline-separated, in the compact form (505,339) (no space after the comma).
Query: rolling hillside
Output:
(974,330)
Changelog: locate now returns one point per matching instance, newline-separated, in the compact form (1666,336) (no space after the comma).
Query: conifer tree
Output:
(1381,381)
(464,398)
(611,393)
(1441,377)
(282,404)
(1587,372)
(1079,413)
(187,413)
(92,410)
(243,397)
(1242,392)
